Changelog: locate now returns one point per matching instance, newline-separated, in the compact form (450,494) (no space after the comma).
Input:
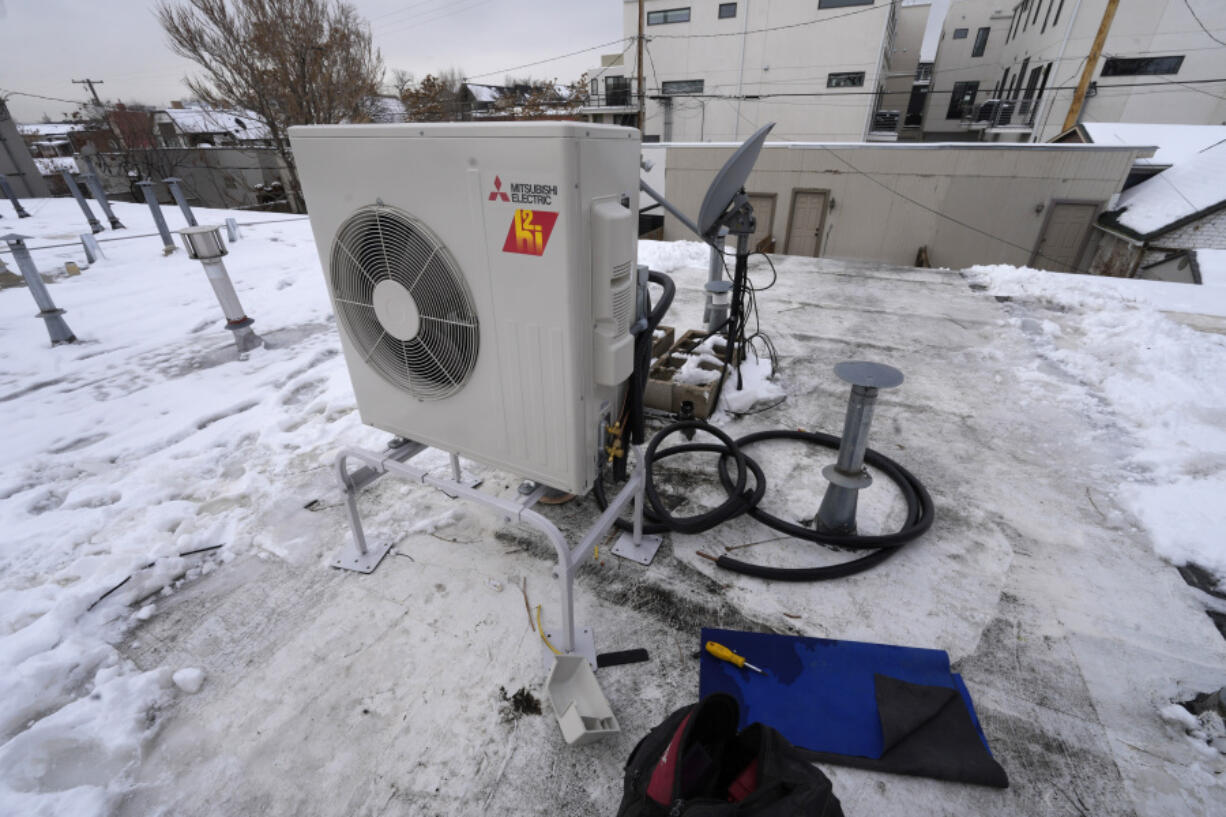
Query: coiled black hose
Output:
(657,518)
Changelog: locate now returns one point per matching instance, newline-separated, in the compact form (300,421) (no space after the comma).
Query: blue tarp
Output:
(818,692)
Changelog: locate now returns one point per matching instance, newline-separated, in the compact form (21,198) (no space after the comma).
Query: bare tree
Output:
(290,62)
(402,82)
(436,98)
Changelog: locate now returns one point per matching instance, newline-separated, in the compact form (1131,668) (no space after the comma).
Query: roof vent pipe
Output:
(204,244)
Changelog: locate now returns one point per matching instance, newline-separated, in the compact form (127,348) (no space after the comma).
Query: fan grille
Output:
(380,243)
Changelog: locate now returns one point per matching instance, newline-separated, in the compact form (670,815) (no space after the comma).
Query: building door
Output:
(806,221)
(1064,236)
(764,214)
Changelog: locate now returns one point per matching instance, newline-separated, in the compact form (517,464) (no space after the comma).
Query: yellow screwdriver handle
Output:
(724,654)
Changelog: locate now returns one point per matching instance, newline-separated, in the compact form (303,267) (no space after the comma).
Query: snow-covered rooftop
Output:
(242,125)
(1174,142)
(1212,266)
(50,128)
(47,166)
(167,507)
(1194,184)
(484,93)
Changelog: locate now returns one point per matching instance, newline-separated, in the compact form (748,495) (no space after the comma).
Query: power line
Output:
(447,11)
(784,94)
(772,28)
(550,59)
(1203,27)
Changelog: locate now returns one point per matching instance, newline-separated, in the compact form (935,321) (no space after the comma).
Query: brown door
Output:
(805,222)
(1064,236)
(764,213)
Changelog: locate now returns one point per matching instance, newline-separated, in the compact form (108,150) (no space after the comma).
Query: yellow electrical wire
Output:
(540,628)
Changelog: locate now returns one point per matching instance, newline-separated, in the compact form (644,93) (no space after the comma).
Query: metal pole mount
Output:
(847,476)
(57,327)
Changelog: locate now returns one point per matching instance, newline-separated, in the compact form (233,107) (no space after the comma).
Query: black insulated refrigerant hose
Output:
(743,500)
(735,468)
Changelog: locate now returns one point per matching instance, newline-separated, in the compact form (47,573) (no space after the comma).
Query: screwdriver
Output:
(724,654)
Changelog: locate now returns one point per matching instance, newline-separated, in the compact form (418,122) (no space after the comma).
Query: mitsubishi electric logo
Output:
(524,193)
(496,194)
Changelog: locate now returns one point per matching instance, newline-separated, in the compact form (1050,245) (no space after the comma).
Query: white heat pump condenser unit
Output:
(483,280)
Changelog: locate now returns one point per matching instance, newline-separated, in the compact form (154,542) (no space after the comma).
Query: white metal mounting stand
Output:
(358,555)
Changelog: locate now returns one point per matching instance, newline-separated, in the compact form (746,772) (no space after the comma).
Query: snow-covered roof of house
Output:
(1169,199)
(54,164)
(50,128)
(1174,142)
(1212,267)
(485,93)
(242,125)
(387,109)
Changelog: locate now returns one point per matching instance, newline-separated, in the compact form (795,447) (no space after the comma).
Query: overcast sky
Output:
(44,44)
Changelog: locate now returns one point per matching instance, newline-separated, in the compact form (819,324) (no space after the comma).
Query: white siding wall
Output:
(794,61)
(992,188)
(1150,28)
(954,62)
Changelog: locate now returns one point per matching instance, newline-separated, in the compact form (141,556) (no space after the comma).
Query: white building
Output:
(968,54)
(716,71)
(1163,61)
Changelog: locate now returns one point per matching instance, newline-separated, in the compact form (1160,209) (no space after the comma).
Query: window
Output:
(727,10)
(981,42)
(1059,9)
(1048,17)
(595,87)
(960,33)
(659,18)
(845,79)
(1127,67)
(838,4)
(1038,6)
(962,99)
(617,90)
(679,87)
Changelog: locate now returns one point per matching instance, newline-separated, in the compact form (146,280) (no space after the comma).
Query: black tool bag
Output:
(695,764)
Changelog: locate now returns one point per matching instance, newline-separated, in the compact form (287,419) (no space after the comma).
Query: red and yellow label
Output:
(530,231)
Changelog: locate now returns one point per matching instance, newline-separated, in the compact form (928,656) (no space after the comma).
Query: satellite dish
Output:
(730,179)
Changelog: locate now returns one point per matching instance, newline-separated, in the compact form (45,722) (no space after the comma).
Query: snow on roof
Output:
(1174,142)
(387,109)
(50,128)
(932,30)
(1180,192)
(53,165)
(242,125)
(1065,434)
(1212,266)
(485,93)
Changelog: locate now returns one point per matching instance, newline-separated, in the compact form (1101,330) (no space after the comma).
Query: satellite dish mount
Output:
(726,211)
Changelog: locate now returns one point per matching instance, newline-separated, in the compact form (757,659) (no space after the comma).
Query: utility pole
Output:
(91,83)
(1096,50)
(639,66)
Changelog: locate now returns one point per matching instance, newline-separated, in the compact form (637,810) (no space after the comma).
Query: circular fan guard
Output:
(380,243)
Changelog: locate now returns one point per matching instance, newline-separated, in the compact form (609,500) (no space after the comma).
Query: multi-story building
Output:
(716,71)
(968,58)
(1161,61)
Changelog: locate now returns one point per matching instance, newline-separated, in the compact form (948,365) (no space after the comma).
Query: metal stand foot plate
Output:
(350,558)
(467,481)
(642,553)
(585,645)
